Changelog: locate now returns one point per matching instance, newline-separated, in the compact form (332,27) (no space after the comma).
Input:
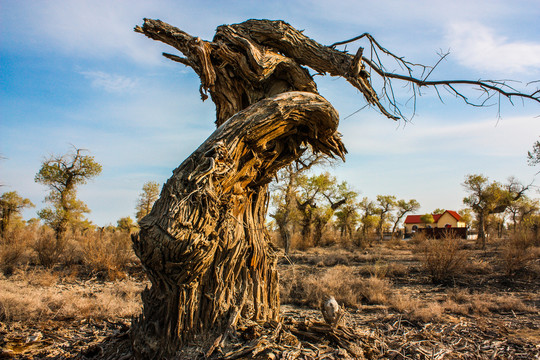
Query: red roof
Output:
(415,219)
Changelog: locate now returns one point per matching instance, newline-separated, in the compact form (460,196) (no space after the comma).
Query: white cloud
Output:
(481,48)
(110,82)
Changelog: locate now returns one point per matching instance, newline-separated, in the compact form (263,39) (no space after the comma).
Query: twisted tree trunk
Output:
(204,244)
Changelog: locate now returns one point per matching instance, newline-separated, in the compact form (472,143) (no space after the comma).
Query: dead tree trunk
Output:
(204,245)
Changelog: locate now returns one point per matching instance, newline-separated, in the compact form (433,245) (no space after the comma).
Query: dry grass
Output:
(107,254)
(460,301)
(342,282)
(42,295)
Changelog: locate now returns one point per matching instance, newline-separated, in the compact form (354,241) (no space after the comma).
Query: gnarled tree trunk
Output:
(204,244)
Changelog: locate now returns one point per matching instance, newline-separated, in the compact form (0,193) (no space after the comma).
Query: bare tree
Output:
(204,244)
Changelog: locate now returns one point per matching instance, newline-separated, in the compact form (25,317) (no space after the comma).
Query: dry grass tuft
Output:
(415,309)
(42,296)
(460,301)
(15,249)
(342,282)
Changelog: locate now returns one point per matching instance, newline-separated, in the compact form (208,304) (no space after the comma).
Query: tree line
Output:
(306,204)
(62,175)
(303,205)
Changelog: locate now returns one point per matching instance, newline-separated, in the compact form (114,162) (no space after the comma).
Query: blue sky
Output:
(74,72)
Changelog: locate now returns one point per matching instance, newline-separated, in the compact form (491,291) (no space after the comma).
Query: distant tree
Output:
(404,207)
(386,204)
(347,216)
(336,196)
(149,195)
(427,219)
(11,205)
(318,199)
(533,156)
(62,174)
(521,210)
(126,224)
(438,211)
(285,194)
(368,218)
(486,198)
(466,216)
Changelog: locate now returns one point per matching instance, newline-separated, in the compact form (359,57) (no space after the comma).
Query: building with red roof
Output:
(448,219)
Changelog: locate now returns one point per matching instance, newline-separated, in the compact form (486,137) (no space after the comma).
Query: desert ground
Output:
(420,299)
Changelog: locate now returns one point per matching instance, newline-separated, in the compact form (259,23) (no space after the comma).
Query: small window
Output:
(415,227)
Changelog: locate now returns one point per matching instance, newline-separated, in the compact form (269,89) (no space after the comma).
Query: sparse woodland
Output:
(227,271)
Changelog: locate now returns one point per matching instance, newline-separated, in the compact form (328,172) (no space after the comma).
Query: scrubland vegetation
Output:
(88,287)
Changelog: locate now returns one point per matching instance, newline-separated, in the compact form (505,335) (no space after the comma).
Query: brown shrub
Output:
(48,247)
(107,254)
(15,249)
(443,258)
(417,239)
(347,287)
(518,253)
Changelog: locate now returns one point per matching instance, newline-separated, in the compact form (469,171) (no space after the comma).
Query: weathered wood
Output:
(256,59)
(204,244)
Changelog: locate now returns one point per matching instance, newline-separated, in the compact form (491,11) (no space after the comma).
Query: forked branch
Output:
(488,88)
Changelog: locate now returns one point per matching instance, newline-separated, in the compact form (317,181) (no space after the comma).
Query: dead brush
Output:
(417,239)
(48,247)
(347,287)
(14,249)
(107,254)
(517,253)
(443,258)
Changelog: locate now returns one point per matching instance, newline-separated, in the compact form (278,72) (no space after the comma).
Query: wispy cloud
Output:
(482,48)
(113,83)
(510,137)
